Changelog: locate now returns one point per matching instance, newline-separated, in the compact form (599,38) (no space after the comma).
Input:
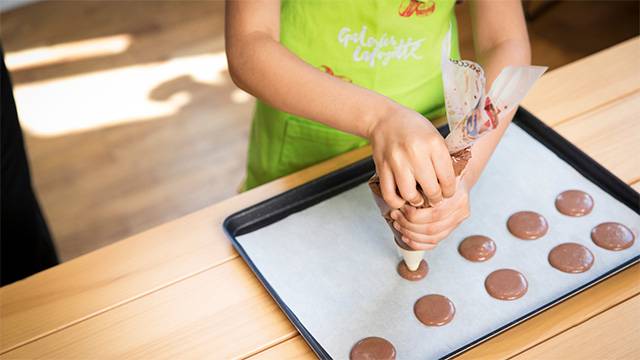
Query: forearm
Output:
(500,39)
(284,81)
(493,61)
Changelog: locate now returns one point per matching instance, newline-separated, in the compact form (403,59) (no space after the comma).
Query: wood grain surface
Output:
(598,79)
(609,335)
(132,268)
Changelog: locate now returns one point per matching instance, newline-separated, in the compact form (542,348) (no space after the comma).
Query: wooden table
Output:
(180,290)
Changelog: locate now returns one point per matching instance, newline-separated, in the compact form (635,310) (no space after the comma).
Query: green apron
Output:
(391,47)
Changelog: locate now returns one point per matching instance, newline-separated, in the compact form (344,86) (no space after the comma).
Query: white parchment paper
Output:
(334,264)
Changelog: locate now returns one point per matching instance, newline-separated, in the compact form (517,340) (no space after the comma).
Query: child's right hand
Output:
(408,150)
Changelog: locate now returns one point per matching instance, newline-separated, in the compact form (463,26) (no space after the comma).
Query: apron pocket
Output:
(307,143)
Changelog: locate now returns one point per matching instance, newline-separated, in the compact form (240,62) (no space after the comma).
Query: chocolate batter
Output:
(571,258)
(419,274)
(612,236)
(434,310)
(477,248)
(574,203)
(506,284)
(373,348)
(374,185)
(459,160)
(527,225)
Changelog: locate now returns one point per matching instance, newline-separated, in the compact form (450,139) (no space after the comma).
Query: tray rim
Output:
(265,213)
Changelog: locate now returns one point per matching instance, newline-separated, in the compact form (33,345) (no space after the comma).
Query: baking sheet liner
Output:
(333,264)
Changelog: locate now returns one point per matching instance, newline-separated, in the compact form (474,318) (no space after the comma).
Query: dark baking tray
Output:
(278,207)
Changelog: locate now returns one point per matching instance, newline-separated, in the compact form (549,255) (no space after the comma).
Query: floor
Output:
(131,119)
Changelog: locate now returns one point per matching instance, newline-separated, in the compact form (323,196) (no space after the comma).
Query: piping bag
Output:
(471,114)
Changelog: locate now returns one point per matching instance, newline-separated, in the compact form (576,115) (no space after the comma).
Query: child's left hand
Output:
(422,229)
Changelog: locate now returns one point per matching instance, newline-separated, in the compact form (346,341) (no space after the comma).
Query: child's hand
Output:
(408,150)
(422,229)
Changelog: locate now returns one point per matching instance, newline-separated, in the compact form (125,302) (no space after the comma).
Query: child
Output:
(332,76)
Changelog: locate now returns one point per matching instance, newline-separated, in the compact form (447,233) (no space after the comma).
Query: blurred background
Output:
(130,117)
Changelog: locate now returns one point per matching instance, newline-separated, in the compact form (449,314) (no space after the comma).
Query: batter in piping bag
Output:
(472,113)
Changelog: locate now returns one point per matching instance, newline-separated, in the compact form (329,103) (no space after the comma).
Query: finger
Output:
(434,228)
(408,235)
(430,228)
(432,234)
(429,214)
(444,171)
(411,237)
(420,246)
(426,177)
(388,188)
(406,184)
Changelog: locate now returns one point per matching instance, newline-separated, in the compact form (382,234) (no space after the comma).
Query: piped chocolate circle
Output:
(506,284)
(571,258)
(574,203)
(419,274)
(527,225)
(373,348)
(612,236)
(477,248)
(434,310)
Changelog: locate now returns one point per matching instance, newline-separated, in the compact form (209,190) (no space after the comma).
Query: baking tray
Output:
(272,210)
